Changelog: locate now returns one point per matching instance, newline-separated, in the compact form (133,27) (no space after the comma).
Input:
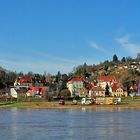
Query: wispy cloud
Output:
(37,66)
(57,58)
(40,62)
(131,47)
(97,47)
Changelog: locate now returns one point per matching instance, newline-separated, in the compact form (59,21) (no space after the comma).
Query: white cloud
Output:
(131,47)
(97,47)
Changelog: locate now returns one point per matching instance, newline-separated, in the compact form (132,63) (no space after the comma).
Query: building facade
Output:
(74,85)
(118,92)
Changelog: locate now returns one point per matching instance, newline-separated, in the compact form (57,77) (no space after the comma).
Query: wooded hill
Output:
(126,70)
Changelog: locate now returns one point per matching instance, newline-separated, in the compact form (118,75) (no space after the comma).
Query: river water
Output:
(69,124)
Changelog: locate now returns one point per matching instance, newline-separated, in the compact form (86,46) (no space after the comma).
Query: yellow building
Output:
(118,91)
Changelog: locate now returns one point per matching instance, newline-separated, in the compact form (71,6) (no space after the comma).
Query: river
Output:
(70,124)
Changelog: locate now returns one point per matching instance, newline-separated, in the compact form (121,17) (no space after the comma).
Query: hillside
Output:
(126,70)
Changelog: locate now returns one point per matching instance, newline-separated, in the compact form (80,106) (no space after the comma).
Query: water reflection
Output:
(97,123)
(99,109)
(14,126)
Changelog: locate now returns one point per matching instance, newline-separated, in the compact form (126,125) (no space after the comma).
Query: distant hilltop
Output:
(126,70)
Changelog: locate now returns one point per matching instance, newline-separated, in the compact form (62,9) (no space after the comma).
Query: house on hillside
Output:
(36,90)
(74,85)
(106,80)
(24,85)
(119,91)
(23,81)
(97,91)
(48,78)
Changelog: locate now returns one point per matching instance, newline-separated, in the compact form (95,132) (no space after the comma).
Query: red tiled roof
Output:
(25,78)
(77,79)
(114,88)
(107,78)
(41,88)
(114,85)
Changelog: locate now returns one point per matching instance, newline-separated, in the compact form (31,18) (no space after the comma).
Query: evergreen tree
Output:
(58,76)
(64,83)
(107,90)
(2,85)
(106,68)
(115,58)
(85,69)
(123,60)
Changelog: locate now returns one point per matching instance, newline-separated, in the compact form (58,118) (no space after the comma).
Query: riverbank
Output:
(66,106)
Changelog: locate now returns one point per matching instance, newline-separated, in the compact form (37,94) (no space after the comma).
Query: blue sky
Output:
(56,35)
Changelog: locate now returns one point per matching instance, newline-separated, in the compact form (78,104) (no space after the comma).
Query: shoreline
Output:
(52,105)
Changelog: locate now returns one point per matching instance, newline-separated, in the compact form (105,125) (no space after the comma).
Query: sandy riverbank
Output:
(66,106)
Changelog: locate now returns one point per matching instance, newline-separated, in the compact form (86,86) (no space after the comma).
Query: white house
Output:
(104,80)
(74,85)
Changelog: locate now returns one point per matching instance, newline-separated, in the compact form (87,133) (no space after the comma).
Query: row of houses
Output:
(78,87)
(24,85)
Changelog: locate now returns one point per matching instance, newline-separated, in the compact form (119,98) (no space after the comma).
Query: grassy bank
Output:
(127,102)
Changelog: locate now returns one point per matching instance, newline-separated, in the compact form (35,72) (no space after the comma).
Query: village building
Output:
(119,91)
(97,92)
(48,78)
(23,81)
(24,86)
(74,85)
(106,80)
